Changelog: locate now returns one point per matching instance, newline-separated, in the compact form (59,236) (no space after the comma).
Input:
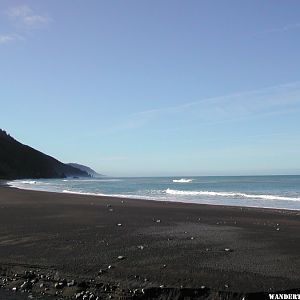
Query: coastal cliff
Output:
(21,161)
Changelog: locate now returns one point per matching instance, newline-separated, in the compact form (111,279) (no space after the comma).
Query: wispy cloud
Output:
(23,20)
(288,27)
(261,103)
(257,101)
(25,15)
(9,38)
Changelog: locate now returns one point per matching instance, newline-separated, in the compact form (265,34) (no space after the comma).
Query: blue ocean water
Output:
(252,191)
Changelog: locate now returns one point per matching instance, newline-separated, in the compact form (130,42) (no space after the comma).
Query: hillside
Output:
(21,161)
(87,169)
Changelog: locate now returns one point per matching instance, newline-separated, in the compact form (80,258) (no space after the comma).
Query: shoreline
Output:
(6,184)
(224,248)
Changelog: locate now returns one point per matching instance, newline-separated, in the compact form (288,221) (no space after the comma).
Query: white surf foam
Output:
(182,180)
(231,194)
(91,180)
(27,182)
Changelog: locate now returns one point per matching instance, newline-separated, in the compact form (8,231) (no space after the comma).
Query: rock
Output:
(26,286)
(101,271)
(228,250)
(141,247)
(120,257)
(119,224)
(164,266)
(71,283)
(59,285)
(14,289)
(110,267)
(192,238)
(158,221)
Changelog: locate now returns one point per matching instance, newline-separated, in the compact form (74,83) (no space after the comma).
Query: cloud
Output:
(284,28)
(256,102)
(26,16)
(268,102)
(9,38)
(25,21)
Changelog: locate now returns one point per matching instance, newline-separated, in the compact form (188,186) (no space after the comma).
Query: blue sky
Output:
(155,87)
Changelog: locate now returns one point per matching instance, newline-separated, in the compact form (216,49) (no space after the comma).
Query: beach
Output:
(124,244)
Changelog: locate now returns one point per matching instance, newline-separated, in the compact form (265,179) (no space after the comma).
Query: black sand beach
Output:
(48,237)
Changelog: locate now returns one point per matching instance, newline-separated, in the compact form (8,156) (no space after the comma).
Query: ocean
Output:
(252,191)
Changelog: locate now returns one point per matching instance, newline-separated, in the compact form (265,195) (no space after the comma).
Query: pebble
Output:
(59,285)
(71,283)
(101,271)
(228,250)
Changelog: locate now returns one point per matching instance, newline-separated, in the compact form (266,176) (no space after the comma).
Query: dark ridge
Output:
(21,161)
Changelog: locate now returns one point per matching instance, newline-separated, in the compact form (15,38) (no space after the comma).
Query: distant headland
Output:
(21,161)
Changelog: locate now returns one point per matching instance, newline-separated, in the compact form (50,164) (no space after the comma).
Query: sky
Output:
(155,88)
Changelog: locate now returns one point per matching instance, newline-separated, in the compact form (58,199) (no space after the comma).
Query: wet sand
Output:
(231,249)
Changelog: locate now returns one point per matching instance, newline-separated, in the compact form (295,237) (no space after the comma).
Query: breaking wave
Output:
(231,194)
(91,180)
(28,182)
(182,180)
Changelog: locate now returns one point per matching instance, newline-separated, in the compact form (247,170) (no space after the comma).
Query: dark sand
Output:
(75,236)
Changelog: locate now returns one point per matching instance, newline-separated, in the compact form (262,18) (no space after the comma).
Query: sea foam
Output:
(182,180)
(230,194)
